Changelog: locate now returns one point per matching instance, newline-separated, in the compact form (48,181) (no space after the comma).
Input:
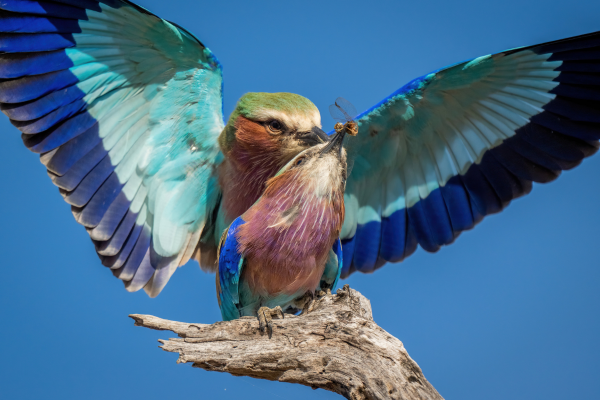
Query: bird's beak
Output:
(335,144)
(313,137)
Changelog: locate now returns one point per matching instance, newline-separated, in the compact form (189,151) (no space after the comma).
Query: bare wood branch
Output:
(334,345)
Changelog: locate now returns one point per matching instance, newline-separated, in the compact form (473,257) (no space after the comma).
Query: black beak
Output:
(313,137)
(335,144)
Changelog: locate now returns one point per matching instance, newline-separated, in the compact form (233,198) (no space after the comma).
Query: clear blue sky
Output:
(510,311)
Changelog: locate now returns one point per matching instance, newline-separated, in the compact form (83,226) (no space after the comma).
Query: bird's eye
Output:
(299,161)
(275,126)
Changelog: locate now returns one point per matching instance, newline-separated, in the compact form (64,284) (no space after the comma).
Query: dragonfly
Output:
(343,111)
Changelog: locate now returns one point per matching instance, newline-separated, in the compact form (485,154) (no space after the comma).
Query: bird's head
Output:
(277,125)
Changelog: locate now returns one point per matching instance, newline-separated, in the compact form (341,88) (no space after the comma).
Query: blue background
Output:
(510,311)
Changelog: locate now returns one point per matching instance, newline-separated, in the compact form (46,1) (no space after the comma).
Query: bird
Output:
(125,110)
(286,247)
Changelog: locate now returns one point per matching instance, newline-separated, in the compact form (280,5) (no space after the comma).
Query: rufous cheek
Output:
(254,135)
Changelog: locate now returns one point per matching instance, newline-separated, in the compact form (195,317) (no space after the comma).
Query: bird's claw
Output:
(310,299)
(265,318)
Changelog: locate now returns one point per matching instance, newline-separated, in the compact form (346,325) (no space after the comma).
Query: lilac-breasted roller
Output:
(287,244)
(125,110)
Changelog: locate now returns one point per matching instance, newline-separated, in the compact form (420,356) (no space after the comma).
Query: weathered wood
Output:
(334,345)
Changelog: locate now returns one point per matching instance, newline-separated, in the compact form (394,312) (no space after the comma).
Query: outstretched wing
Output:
(453,146)
(124,109)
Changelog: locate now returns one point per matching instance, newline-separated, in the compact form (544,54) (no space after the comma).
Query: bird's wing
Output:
(228,275)
(333,267)
(453,146)
(124,109)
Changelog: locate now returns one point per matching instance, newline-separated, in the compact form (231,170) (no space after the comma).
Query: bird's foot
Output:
(309,300)
(265,318)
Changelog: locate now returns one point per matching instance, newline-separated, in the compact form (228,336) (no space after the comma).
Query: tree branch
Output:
(334,345)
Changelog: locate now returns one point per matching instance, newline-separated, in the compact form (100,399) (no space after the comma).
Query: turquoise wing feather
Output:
(453,146)
(231,263)
(124,109)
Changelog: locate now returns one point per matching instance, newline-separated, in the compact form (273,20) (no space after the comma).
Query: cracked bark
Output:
(334,345)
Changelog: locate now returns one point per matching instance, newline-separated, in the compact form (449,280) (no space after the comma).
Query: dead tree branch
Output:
(335,345)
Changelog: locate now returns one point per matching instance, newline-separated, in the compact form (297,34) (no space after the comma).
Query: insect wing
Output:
(337,113)
(342,110)
(346,107)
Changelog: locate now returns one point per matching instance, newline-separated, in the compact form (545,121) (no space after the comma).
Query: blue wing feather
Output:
(17,43)
(230,269)
(462,142)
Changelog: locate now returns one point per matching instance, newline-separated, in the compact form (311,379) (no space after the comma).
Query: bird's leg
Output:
(265,318)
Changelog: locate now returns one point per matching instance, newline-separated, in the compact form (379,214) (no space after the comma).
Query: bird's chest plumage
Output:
(286,244)
(292,277)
